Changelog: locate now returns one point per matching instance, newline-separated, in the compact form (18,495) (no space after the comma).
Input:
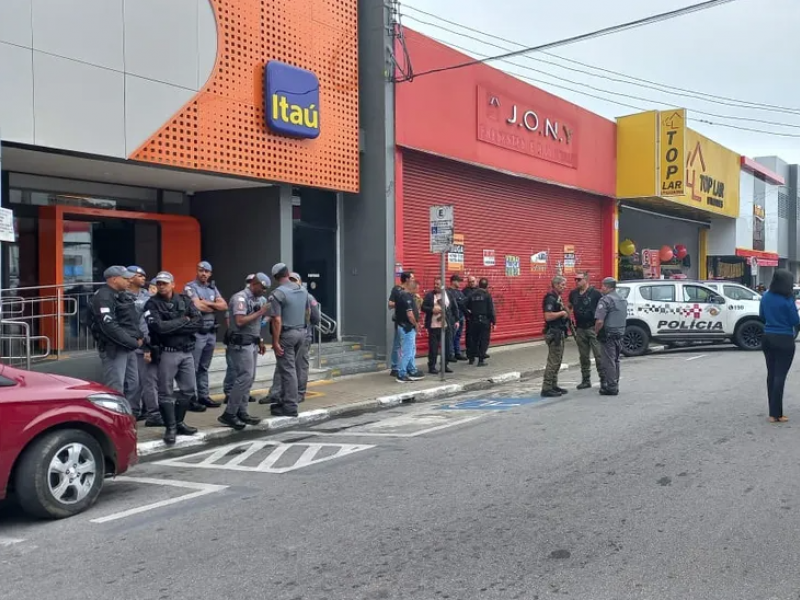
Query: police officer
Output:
(209,301)
(114,323)
(472,285)
(583,302)
(290,307)
(173,321)
(230,375)
(147,391)
(458,299)
(482,319)
(246,313)
(610,320)
(556,318)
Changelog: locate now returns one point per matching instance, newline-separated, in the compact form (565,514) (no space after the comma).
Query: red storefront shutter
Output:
(510,215)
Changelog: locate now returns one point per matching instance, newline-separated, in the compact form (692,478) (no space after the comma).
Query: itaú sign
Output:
(522,128)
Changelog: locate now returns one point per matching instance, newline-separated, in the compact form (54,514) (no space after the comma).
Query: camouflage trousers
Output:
(589,345)
(555,354)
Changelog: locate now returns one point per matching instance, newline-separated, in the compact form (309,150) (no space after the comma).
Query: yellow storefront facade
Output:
(673,185)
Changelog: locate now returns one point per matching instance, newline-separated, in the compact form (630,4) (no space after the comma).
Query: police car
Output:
(675,312)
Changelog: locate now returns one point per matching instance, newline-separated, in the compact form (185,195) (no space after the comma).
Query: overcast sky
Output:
(746,50)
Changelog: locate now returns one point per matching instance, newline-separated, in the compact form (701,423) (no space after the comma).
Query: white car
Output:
(679,311)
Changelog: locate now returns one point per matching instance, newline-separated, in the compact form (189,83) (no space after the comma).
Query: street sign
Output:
(441,221)
(490,404)
(7,225)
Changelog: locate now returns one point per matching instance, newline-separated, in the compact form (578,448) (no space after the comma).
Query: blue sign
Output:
(291,98)
(490,404)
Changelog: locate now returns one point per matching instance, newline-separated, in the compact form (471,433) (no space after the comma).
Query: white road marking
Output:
(696,357)
(391,435)
(201,489)
(9,541)
(308,457)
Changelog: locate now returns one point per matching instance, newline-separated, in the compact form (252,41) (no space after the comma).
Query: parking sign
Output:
(441,219)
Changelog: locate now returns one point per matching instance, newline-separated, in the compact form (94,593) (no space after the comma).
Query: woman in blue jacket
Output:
(779,314)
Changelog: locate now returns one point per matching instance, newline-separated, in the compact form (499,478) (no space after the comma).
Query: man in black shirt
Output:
(480,308)
(406,318)
(583,302)
(393,296)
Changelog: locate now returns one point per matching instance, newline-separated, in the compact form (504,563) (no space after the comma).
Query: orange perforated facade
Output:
(222,129)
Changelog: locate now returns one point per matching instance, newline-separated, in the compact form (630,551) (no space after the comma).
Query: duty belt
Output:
(293,327)
(172,349)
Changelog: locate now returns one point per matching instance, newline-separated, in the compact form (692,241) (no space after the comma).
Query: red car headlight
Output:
(112,402)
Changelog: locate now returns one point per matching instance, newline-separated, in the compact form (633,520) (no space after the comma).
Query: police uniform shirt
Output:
(584,306)
(405,302)
(245,303)
(551,304)
(613,312)
(195,289)
(290,302)
(140,299)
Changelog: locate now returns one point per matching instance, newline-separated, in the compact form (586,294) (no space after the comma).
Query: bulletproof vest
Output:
(617,313)
(294,300)
(479,303)
(168,310)
(127,313)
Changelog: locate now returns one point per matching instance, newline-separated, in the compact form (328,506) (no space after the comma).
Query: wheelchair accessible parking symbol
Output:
(490,404)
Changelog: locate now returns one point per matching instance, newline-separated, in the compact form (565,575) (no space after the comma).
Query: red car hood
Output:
(35,386)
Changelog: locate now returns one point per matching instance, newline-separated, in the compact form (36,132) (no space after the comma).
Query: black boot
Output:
(180,414)
(167,410)
(245,418)
(153,420)
(585,384)
(230,420)
(208,403)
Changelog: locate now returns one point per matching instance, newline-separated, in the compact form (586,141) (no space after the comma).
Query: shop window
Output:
(658,293)
(35,198)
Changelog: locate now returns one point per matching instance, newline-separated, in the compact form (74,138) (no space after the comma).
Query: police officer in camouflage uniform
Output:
(244,344)
(312,321)
(289,311)
(610,320)
(209,301)
(482,318)
(146,393)
(173,321)
(556,319)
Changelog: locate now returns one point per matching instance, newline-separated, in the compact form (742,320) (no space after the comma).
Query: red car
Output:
(59,439)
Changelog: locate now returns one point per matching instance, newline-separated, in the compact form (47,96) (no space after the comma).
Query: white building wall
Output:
(100,76)
(744,223)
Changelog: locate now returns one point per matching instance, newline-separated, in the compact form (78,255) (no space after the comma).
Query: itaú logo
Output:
(291,98)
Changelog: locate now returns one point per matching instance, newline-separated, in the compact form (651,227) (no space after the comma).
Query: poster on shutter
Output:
(539,262)
(569,259)
(488,258)
(512,266)
(651,264)
(455,257)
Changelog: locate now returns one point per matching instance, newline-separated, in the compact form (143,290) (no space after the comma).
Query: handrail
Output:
(52,286)
(27,338)
(326,326)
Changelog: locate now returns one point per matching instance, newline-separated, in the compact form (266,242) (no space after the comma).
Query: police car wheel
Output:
(748,335)
(635,341)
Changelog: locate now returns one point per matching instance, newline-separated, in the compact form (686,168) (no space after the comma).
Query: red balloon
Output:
(681,251)
(666,254)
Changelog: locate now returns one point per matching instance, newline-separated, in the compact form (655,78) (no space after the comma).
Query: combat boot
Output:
(585,384)
(167,410)
(180,414)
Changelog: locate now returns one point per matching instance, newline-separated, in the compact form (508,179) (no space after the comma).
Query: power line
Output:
(588,36)
(638,81)
(606,91)
(609,100)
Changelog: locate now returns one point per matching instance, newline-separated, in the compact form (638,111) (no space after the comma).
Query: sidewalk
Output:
(370,391)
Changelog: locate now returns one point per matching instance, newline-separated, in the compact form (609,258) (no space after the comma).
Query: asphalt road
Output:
(676,489)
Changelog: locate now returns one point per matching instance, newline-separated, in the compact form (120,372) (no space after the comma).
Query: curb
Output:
(274,424)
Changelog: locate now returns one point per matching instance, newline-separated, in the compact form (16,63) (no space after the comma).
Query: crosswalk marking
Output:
(263,456)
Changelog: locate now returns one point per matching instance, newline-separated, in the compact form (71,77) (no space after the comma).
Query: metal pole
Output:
(443,333)
(319,342)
